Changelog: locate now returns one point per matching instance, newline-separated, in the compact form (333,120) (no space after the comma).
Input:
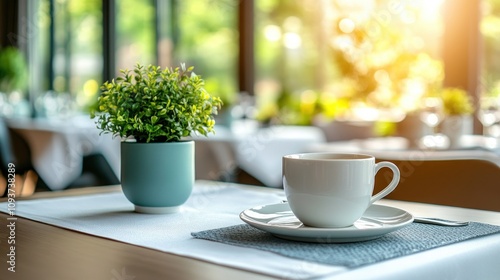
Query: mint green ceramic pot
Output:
(157,177)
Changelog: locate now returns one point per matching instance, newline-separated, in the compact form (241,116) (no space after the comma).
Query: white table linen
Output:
(396,148)
(215,205)
(58,147)
(259,151)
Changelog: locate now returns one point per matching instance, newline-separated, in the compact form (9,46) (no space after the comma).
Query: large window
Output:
(305,60)
(63,39)
(335,57)
(74,63)
(73,46)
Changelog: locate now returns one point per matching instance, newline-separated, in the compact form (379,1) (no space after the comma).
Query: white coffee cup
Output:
(332,190)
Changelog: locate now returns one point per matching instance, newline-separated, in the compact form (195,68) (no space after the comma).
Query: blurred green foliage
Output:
(376,63)
(13,70)
(456,101)
(205,34)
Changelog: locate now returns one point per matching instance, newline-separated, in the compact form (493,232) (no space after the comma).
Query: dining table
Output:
(64,143)
(255,149)
(94,233)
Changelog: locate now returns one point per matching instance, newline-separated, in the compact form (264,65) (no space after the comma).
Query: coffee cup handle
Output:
(392,185)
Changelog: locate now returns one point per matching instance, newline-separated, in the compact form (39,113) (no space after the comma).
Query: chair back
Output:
(462,182)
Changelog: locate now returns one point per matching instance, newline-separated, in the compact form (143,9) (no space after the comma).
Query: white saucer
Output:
(279,220)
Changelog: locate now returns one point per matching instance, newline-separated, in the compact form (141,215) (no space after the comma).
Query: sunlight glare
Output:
(292,40)
(346,25)
(292,24)
(429,10)
(272,32)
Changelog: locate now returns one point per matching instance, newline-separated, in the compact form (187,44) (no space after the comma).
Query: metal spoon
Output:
(440,222)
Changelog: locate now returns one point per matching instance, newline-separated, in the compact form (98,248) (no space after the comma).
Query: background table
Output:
(256,150)
(58,147)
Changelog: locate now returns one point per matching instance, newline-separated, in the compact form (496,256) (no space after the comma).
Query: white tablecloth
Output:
(215,205)
(259,151)
(58,147)
(397,148)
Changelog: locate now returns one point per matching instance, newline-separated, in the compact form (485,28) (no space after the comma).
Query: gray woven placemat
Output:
(408,240)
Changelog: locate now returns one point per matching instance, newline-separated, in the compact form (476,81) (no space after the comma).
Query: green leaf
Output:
(162,112)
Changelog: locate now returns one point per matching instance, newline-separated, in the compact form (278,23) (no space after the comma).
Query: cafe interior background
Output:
(290,73)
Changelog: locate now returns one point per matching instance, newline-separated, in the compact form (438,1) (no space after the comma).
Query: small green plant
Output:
(456,101)
(156,105)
